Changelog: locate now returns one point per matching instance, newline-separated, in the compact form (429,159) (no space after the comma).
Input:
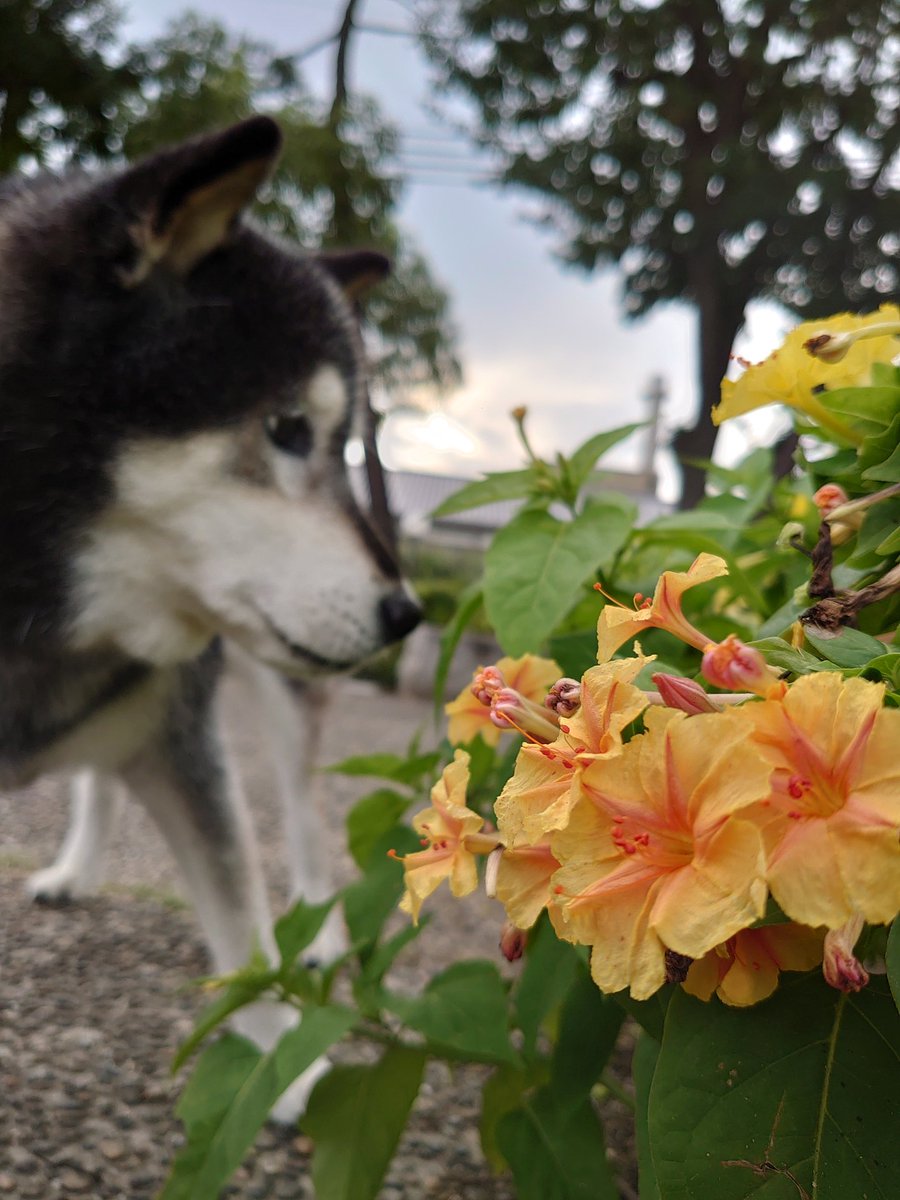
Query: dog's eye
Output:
(291,433)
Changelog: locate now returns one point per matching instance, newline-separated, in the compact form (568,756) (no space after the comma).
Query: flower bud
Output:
(564,698)
(735,667)
(512,942)
(842,970)
(828,497)
(486,683)
(829,347)
(684,694)
(511,710)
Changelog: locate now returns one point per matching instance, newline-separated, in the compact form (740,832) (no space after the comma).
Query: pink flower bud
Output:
(737,668)
(684,694)
(512,942)
(829,497)
(564,698)
(842,970)
(486,683)
(511,710)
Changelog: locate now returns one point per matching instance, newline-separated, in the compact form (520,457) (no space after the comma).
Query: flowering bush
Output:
(684,783)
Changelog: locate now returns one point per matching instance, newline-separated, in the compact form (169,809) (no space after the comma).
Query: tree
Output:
(58,87)
(717,150)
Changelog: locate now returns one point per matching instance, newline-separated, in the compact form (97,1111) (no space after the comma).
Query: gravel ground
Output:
(93,1001)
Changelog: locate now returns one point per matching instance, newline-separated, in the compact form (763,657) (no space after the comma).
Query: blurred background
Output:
(590,204)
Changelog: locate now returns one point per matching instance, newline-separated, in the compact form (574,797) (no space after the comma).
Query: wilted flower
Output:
(744,970)
(564,698)
(832,817)
(657,854)
(829,497)
(735,667)
(617,623)
(470,713)
(841,968)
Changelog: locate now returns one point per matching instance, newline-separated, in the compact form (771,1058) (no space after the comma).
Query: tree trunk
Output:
(718,323)
(342,226)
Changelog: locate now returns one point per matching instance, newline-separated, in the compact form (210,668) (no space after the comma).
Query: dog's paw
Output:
(291,1104)
(56,885)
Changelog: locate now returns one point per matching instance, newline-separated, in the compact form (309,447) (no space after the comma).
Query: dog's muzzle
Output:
(400,613)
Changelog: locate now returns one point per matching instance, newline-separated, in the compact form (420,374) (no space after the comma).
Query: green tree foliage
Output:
(58,86)
(717,150)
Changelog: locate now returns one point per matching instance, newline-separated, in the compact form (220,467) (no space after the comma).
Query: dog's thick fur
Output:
(175,393)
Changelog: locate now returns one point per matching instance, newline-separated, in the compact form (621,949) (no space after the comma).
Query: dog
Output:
(176,389)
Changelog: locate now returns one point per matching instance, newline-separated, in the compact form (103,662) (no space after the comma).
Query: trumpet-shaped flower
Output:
(523,882)
(451,832)
(792,376)
(539,796)
(744,970)
(470,711)
(617,623)
(833,813)
(658,854)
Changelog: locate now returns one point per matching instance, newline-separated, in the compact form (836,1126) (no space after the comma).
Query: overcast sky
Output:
(531,331)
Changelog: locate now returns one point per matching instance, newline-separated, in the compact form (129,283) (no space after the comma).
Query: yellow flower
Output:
(523,882)
(744,970)
(470,715)
(791,375)
(617,623)
(538,797)
(657,854)
(452,833)
(833,814)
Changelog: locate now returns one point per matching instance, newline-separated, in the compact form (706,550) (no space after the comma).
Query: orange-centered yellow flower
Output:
(617,623)
(470,714)
(792,376)
(834,807)
(538,797)
(452,834)
(744,970)
(657,854)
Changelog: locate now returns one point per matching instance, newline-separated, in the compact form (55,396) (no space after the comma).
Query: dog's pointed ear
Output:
(183,202)
(355,270)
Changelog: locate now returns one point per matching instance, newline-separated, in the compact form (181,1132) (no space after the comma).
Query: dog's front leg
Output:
(194,797)
(78,869)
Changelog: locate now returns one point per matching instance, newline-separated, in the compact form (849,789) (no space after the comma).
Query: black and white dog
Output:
(175,392)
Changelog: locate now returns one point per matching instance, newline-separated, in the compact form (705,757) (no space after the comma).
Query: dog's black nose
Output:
(400,614)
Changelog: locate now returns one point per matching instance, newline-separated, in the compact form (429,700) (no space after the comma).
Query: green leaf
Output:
(502,485)
(468,605)
(355,1117)
(878,405)
(877,450)
(851,648)
(399,768)
(805,1081)
(887,471)
(556,1153)
(588,1028)
(219,1144)
(890,545)
(536,566)
(501,1094)
(242,991)
(781,654)
(370,819)
(643,1065)
(649,1014)
(463,1009)
(585,458)
(886,667)
(893,961)
(550,968)
(220,1072)
(298,927)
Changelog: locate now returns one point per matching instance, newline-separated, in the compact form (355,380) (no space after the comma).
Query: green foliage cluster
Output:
(793,1096)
